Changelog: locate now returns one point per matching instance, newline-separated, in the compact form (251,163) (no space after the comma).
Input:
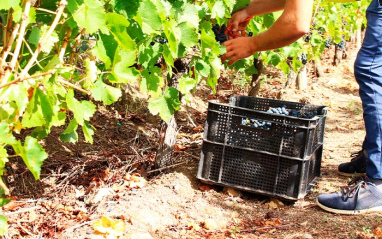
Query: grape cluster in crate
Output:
(280,111)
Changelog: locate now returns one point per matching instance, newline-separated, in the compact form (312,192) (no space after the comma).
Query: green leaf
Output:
(148,17)
(7,4)
(186,84)
(45,104)
(88,130)
(122,70)
(4,201)
(3,161)
(275,59)
(165,105)
(240,4)
(189,36)
(33,116)
(91,74)
(3,223)
(70,134)
(190,16)
(33,155)
(105,93)
(34,37)
(218,10)
(151,81)
(91,15)
(101,53)
(6,136)
(268,19)
(110,45)
(203,68)
(52,39)
(82,110)
(117,25)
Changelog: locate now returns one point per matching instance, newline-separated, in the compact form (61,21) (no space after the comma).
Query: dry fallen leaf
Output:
(137,182)
(109,228)
(205,188)
(378,231)
(13,205)
(210,224)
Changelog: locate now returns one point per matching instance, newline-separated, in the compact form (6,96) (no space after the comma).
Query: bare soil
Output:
(82,182)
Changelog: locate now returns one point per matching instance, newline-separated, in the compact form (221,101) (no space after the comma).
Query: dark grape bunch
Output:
(280,111)
(304,59)
(328,43)
(341,45)
(160,39)
(307,38)
(219,33)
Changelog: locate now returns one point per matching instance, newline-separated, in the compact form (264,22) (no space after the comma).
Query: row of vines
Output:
(54,53)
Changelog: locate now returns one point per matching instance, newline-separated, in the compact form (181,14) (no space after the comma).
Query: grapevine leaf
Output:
(165,105)
(189,36)
(123,7)
(268,19)
(33,116)
(203,68)
(218,10)
(117,25)
(209,44)
(122,70)
(4,201)
(151,81)
(190,16)
(173,34)
(90,73)
(6,136)
(275,59)
(341,1)
(91,15)
(186,84)
(52,39)
(45,104)
(88,130)
(33,155)
(148,17)
(110,45)
(101,53)
(34,37)
(284,67)
(70,134)
(82,110)
(215,72)
(148,56)
(3,223)
(240,5)
(105,93)
(7,4)
(3,161)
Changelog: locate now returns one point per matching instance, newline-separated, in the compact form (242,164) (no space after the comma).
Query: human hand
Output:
(238,23)
(238,48)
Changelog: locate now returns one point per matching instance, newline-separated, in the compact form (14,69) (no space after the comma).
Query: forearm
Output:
(260,7)
(292,24)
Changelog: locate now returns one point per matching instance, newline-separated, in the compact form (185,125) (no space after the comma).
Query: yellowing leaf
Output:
(109,228)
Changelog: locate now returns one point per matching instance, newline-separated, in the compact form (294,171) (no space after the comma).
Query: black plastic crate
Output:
(286,135)
(264,173)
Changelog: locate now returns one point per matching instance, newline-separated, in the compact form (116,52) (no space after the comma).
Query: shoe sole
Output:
(351,174)
(349,212)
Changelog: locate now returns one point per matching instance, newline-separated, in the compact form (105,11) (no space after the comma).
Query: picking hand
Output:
(238,23)
(238,48)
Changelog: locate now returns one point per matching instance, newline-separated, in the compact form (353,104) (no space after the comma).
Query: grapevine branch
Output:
(16,52)
(78,37)
(65,44)
(9,26)
(7,48)
(25,78)
(46,36)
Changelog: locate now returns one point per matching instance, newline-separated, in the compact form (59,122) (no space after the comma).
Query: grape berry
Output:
(219,33)
(280,111)
(341,45)
(304,59)
(160,39)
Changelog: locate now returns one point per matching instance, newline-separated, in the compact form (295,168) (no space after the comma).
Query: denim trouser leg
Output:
(368,73)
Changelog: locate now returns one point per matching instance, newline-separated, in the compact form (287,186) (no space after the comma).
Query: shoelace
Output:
(356,155)
(353,191)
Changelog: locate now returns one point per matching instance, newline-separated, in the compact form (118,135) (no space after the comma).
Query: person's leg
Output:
(366,196)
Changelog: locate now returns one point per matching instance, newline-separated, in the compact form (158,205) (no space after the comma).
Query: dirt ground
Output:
(80,183)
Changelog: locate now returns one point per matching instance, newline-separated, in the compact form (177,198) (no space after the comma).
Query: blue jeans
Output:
(368,73)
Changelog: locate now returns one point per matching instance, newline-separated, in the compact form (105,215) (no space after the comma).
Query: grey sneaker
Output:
(356,167)
(364,197)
